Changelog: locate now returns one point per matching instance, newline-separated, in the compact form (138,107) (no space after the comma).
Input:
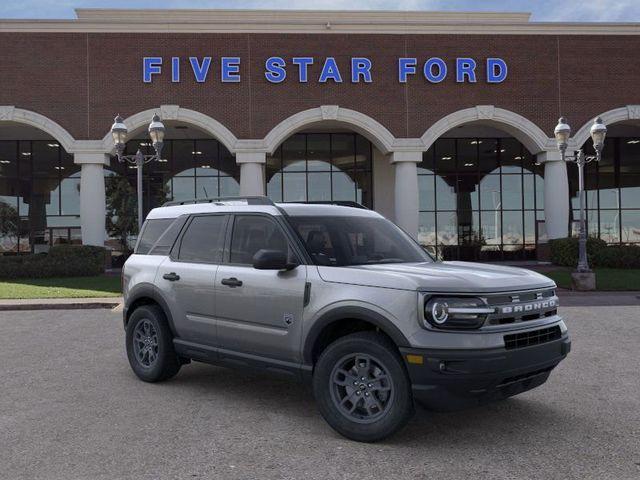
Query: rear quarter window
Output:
(151,232)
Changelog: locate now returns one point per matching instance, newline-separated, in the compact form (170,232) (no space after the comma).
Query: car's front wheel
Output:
(362,388)
(150,345)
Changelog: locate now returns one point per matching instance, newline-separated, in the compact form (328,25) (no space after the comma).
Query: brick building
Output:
(443,122)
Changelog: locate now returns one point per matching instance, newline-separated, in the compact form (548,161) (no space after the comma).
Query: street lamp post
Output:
(119,133)
(562,133)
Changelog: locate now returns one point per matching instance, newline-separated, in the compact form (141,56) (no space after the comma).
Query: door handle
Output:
(231,282)
(172,277)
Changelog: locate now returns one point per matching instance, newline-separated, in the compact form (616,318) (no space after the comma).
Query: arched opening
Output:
(39,190)
(322,164)
(612,187)
(330,154)
(194,165)
(481,195)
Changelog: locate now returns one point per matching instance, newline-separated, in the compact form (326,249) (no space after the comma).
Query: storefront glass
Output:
(39,196)
(480,199)
(200,168)
(612,192)
(321,167)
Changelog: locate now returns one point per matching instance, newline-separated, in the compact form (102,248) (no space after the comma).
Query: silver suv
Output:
(340,297)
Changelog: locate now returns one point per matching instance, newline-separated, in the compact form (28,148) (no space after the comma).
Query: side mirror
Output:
(272,260)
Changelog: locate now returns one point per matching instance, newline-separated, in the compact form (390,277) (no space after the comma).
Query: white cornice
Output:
(301,21)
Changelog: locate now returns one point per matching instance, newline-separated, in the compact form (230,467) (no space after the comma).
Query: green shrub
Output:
(61,261)
(564,252)
(618,256)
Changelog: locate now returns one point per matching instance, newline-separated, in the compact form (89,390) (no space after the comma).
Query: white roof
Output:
(294,209)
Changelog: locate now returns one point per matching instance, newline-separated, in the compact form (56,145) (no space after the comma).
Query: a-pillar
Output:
(556,194)
(93,208)
(251,172)
(406,190)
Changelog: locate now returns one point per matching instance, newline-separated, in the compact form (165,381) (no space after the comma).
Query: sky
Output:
(542,10)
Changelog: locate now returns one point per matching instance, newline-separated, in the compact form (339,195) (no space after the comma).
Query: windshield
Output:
(343,241)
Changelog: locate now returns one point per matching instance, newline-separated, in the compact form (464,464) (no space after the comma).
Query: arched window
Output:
(480,198)
(321,167)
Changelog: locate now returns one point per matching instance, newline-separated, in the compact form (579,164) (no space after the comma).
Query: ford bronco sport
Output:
(338,296)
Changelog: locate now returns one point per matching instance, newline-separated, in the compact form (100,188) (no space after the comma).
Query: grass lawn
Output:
(606,278)
(71,287)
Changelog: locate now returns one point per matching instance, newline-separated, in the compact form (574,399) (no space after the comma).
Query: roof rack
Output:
(341,203)
(251,200)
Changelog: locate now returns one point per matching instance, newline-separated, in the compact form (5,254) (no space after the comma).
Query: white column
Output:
(556,194)
(406,190)
(92,197)
(251,172)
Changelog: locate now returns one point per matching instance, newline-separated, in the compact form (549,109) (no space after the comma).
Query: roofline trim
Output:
(311,21)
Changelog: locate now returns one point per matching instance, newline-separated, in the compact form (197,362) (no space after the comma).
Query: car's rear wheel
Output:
(362,388)
(150,345)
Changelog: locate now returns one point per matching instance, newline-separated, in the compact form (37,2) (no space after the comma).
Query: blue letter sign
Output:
(496,70)
(434,69)
(330,71)
(428,70)
(200,71)
(151,66)
(275,69)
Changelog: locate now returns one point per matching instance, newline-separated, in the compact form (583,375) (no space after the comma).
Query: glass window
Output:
(151,232)
(343,241)
(610,226)
(630,222)
(207,187)
(293,153)
(321,167)
(320,186)
(426,188)
(445,156)
(203,240)
(8,159)
(252,233)
(319,152)
(512,192)
(511,155)
(163,245)
(183,163)
(488,155)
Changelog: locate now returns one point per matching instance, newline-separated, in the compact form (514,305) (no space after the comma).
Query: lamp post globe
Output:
(562,133)
(119,133)
(156,132)
(598,134)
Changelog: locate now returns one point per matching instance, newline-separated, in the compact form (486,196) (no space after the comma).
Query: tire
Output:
(152,357)
(384,403)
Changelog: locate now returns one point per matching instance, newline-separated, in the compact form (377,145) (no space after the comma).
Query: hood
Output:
(463,277)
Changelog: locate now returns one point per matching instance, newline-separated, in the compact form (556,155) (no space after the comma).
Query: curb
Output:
(78,305)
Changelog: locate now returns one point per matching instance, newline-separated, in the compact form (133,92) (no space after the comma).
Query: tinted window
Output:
(253,233)
(204,239)
(168,238)
(343,241)
(151,232)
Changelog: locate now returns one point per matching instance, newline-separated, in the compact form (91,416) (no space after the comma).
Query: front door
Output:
(187,278)
(259,312)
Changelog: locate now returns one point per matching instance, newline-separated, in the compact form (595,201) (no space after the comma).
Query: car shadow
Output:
(511,420)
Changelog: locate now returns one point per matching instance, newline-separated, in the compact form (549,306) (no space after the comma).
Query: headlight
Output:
(452,312)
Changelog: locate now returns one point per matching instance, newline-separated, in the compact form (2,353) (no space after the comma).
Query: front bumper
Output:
(455,379)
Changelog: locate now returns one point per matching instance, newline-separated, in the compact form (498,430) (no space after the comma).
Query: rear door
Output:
(187,277)
(259,312)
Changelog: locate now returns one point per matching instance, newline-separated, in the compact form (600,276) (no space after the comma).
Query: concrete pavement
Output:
(71,408)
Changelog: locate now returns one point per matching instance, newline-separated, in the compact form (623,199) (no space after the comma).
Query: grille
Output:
(523,377)
(535,337)
(522,306)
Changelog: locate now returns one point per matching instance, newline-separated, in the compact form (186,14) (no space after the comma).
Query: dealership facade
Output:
(443,122)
